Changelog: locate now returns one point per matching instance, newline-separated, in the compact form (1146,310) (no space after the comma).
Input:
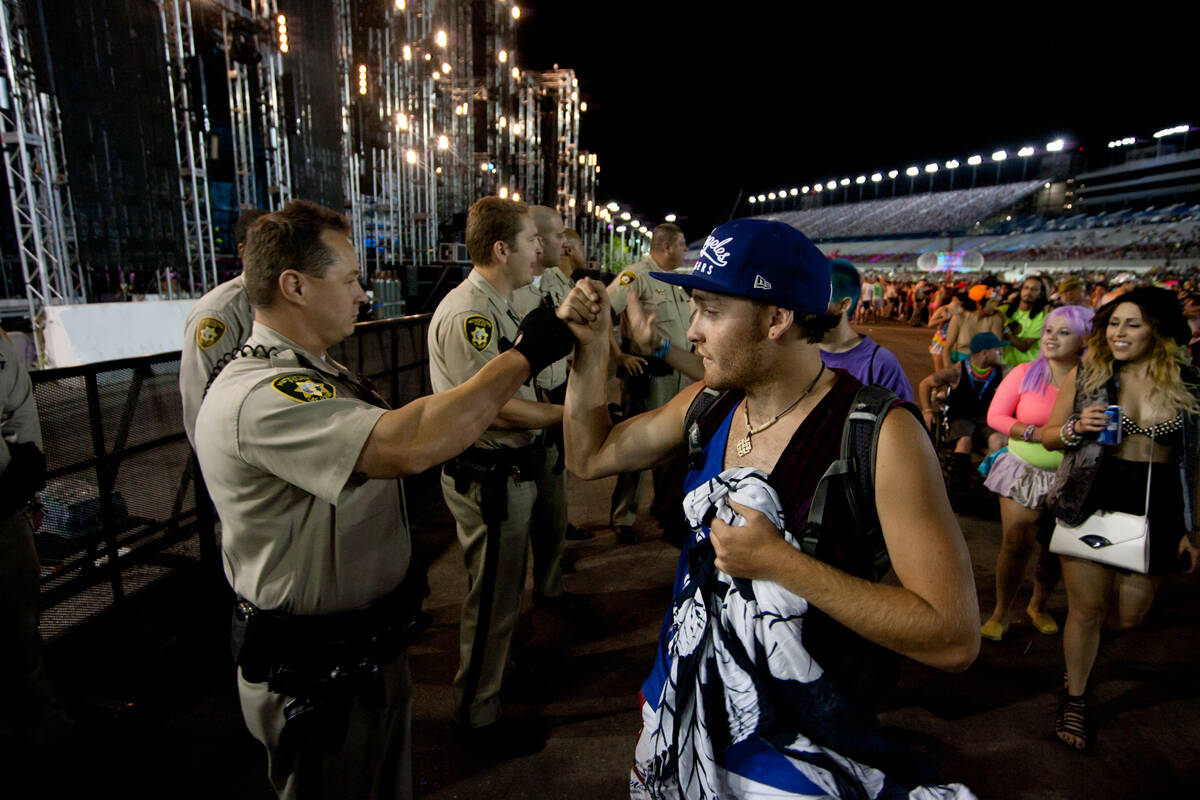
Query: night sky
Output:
(687,106)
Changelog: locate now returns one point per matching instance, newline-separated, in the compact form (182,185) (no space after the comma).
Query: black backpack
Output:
(860,441)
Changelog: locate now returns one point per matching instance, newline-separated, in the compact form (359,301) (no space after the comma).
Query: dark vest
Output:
(970,398)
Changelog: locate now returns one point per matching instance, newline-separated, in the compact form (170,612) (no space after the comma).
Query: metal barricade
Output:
(122,506)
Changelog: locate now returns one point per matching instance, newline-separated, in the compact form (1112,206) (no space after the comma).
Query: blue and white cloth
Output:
(746,711)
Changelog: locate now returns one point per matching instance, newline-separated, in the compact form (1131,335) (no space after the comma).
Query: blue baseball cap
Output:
(762,260)
(986,341)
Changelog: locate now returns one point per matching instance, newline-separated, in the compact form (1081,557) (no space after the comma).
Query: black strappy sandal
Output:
(1071,721)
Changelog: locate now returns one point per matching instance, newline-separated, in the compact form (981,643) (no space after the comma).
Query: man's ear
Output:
(840,307)
(500,252)
(291,285)
(782,320)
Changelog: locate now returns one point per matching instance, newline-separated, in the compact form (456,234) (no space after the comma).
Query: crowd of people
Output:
(775,433)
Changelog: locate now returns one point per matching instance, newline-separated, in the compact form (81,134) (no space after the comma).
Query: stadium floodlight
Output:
(753,199)
(1171,131)
(860,180)
(975,161)
(771,195)
(613,207)
(782,193)
(1054,147)
(636,223)
(999,155)
(762,198)
(952,164)
(1025,152)
(831,185)
(803,190)
(793,191)
(931,168)
(1047,186)
(625,215)
(621,229)
(670,217)
(817,188)
(844,181)
(876,177)
(892,173)
(912,172)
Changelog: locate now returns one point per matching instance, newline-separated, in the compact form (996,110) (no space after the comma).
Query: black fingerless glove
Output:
(543,338)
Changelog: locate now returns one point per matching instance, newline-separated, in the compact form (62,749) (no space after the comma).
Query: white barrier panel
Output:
(90,332)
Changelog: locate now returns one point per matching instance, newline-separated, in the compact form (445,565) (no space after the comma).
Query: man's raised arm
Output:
(594,448)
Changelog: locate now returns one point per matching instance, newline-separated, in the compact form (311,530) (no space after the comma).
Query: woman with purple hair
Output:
(1022,475)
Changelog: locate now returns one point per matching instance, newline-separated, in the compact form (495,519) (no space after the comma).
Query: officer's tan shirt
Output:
(465,334)
(18,407)
(554,286)
(670,302)
(278,439)
(218,324)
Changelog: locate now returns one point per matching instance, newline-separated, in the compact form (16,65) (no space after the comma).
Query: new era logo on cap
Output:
(762,260)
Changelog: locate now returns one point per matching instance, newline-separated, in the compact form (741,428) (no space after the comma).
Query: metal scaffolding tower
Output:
(35,166)
(190,119)
(270,108)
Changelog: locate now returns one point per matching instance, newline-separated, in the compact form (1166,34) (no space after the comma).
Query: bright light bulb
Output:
(860,180)
(503,56)
(803,190)
(516,12)
(440,38)
(281,19)
(407,53)
(516,197)
(753,199)
(503,192)
(1025,152)
(583,106)
(975,161)
(771,195)
(571,203)
(762,198)
(402,122)
(613,207)
(876,177)
(445,68)
(283,48)
(400,5)
(818,188)
(625,215)
(1055,146)
(516,72)
(931,168)
(670,217)
(831,185)
(911,171)
(892,173)
(999,155)
(411,156)
(952,164)
(793,191)
(503,122)
(443,142)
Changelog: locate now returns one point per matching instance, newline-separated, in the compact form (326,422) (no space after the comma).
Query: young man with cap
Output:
(760,297)
(972,386)
(859,354)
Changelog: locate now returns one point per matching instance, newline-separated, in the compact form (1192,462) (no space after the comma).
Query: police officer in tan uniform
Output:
(301,460)
(548,527)
(30,714)
(217,325)
(491,488)
(669,305)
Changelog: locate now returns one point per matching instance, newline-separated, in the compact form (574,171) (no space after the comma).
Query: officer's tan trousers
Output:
(548,527)
(493,601)
(629,484)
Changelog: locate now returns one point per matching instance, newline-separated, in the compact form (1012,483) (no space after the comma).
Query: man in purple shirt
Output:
(854,352)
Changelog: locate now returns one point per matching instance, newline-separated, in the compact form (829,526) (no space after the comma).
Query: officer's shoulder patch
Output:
(478,329)
(304,387)
(209,332)
(627,277)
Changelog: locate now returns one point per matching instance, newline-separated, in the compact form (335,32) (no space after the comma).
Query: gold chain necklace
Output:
(744,445)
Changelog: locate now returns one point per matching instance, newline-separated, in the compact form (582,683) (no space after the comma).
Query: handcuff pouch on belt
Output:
(322,662)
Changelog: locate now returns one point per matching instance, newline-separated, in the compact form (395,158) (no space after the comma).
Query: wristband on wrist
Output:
(664,347)
(1028,433)
(1067,432)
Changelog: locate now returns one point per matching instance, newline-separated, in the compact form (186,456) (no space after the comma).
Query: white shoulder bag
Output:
(1114,538)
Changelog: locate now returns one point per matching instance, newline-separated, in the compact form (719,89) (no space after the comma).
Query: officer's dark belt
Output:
(554,433)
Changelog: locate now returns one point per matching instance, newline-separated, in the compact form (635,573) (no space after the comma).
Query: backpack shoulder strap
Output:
(699,424)
(856,470)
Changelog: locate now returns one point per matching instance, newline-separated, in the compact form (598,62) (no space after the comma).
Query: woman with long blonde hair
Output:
(1137,359)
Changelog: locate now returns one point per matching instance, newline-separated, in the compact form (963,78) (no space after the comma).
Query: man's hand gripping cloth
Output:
(746,712)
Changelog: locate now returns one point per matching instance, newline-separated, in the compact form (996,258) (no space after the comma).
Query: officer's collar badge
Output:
(306,388)
(478,329)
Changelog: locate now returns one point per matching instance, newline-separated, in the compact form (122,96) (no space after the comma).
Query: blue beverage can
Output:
(1112,428)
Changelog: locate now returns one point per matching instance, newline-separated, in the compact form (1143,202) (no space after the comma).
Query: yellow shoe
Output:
(1043,622)
(993,630)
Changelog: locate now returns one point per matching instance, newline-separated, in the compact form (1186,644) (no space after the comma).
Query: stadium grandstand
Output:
(1132,205)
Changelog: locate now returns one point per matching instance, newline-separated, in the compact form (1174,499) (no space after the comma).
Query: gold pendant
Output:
(744,446)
